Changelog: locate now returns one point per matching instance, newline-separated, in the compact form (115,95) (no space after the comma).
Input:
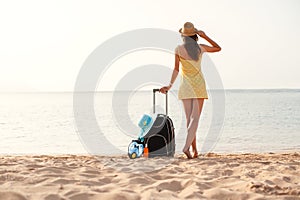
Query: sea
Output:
(244,121)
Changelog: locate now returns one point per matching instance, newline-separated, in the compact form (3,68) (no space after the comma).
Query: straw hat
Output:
(188,29)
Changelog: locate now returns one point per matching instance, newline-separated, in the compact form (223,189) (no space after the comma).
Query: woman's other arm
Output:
(174,74)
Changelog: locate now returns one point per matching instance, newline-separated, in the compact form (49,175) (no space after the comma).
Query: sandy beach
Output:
(213,176)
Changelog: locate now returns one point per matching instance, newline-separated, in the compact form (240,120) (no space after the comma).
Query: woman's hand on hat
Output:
(201,33)
(165,89)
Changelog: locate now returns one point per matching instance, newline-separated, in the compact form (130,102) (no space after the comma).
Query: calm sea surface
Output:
(44,123)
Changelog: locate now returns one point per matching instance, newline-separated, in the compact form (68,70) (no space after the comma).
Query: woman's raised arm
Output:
(215,47)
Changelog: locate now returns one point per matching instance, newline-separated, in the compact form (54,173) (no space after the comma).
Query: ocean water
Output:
(44,123)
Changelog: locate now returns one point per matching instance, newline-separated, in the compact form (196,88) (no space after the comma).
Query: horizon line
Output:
(99,91)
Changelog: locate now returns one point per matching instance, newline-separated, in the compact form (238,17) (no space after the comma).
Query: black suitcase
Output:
(160,139)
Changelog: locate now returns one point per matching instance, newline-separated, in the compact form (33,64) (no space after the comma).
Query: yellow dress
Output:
(192,83)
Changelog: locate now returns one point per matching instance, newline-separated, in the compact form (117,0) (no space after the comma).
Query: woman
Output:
(192,90)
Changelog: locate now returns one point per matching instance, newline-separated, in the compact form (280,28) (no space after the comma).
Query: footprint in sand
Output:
(53,197)
(205,185)
(87,175)
(173,186)
(269,182)
(286,179)
(90,183)
(71,192)
(35,180)
(11,177)
(92,172)
(227,172)
(233,165)
(50,169)
(34,166)
(116,195)
(64,181)
(222,193)
(140,181)
(105,180)
(81,196)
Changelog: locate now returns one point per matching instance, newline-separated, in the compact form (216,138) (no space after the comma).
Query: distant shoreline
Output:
(110,91)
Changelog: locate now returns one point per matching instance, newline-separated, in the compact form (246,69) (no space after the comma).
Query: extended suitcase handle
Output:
(157,90)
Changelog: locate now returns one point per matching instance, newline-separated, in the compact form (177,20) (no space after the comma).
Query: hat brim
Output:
(188,34)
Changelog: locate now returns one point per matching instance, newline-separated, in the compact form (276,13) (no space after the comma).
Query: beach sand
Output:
(213,176)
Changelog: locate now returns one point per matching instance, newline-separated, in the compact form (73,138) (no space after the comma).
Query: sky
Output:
(43,44)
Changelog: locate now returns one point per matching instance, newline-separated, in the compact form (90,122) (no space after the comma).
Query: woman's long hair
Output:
(191,46)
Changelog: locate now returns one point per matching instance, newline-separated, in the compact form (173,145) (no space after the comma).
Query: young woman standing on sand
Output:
(192,90)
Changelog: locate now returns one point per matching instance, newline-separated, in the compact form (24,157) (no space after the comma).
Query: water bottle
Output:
(146,151)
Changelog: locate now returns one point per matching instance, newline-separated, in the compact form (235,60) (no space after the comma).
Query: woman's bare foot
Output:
(195,154)
(188,154)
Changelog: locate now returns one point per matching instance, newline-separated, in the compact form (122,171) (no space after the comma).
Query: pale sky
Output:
(43,44)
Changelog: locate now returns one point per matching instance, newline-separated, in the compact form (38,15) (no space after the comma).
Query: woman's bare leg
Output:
(194,143)
(194,146)
(197,105)
(188,106)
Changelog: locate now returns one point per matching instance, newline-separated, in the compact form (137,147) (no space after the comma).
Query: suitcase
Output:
(160,139)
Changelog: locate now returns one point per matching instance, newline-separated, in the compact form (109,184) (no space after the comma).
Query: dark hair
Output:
(191,46)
